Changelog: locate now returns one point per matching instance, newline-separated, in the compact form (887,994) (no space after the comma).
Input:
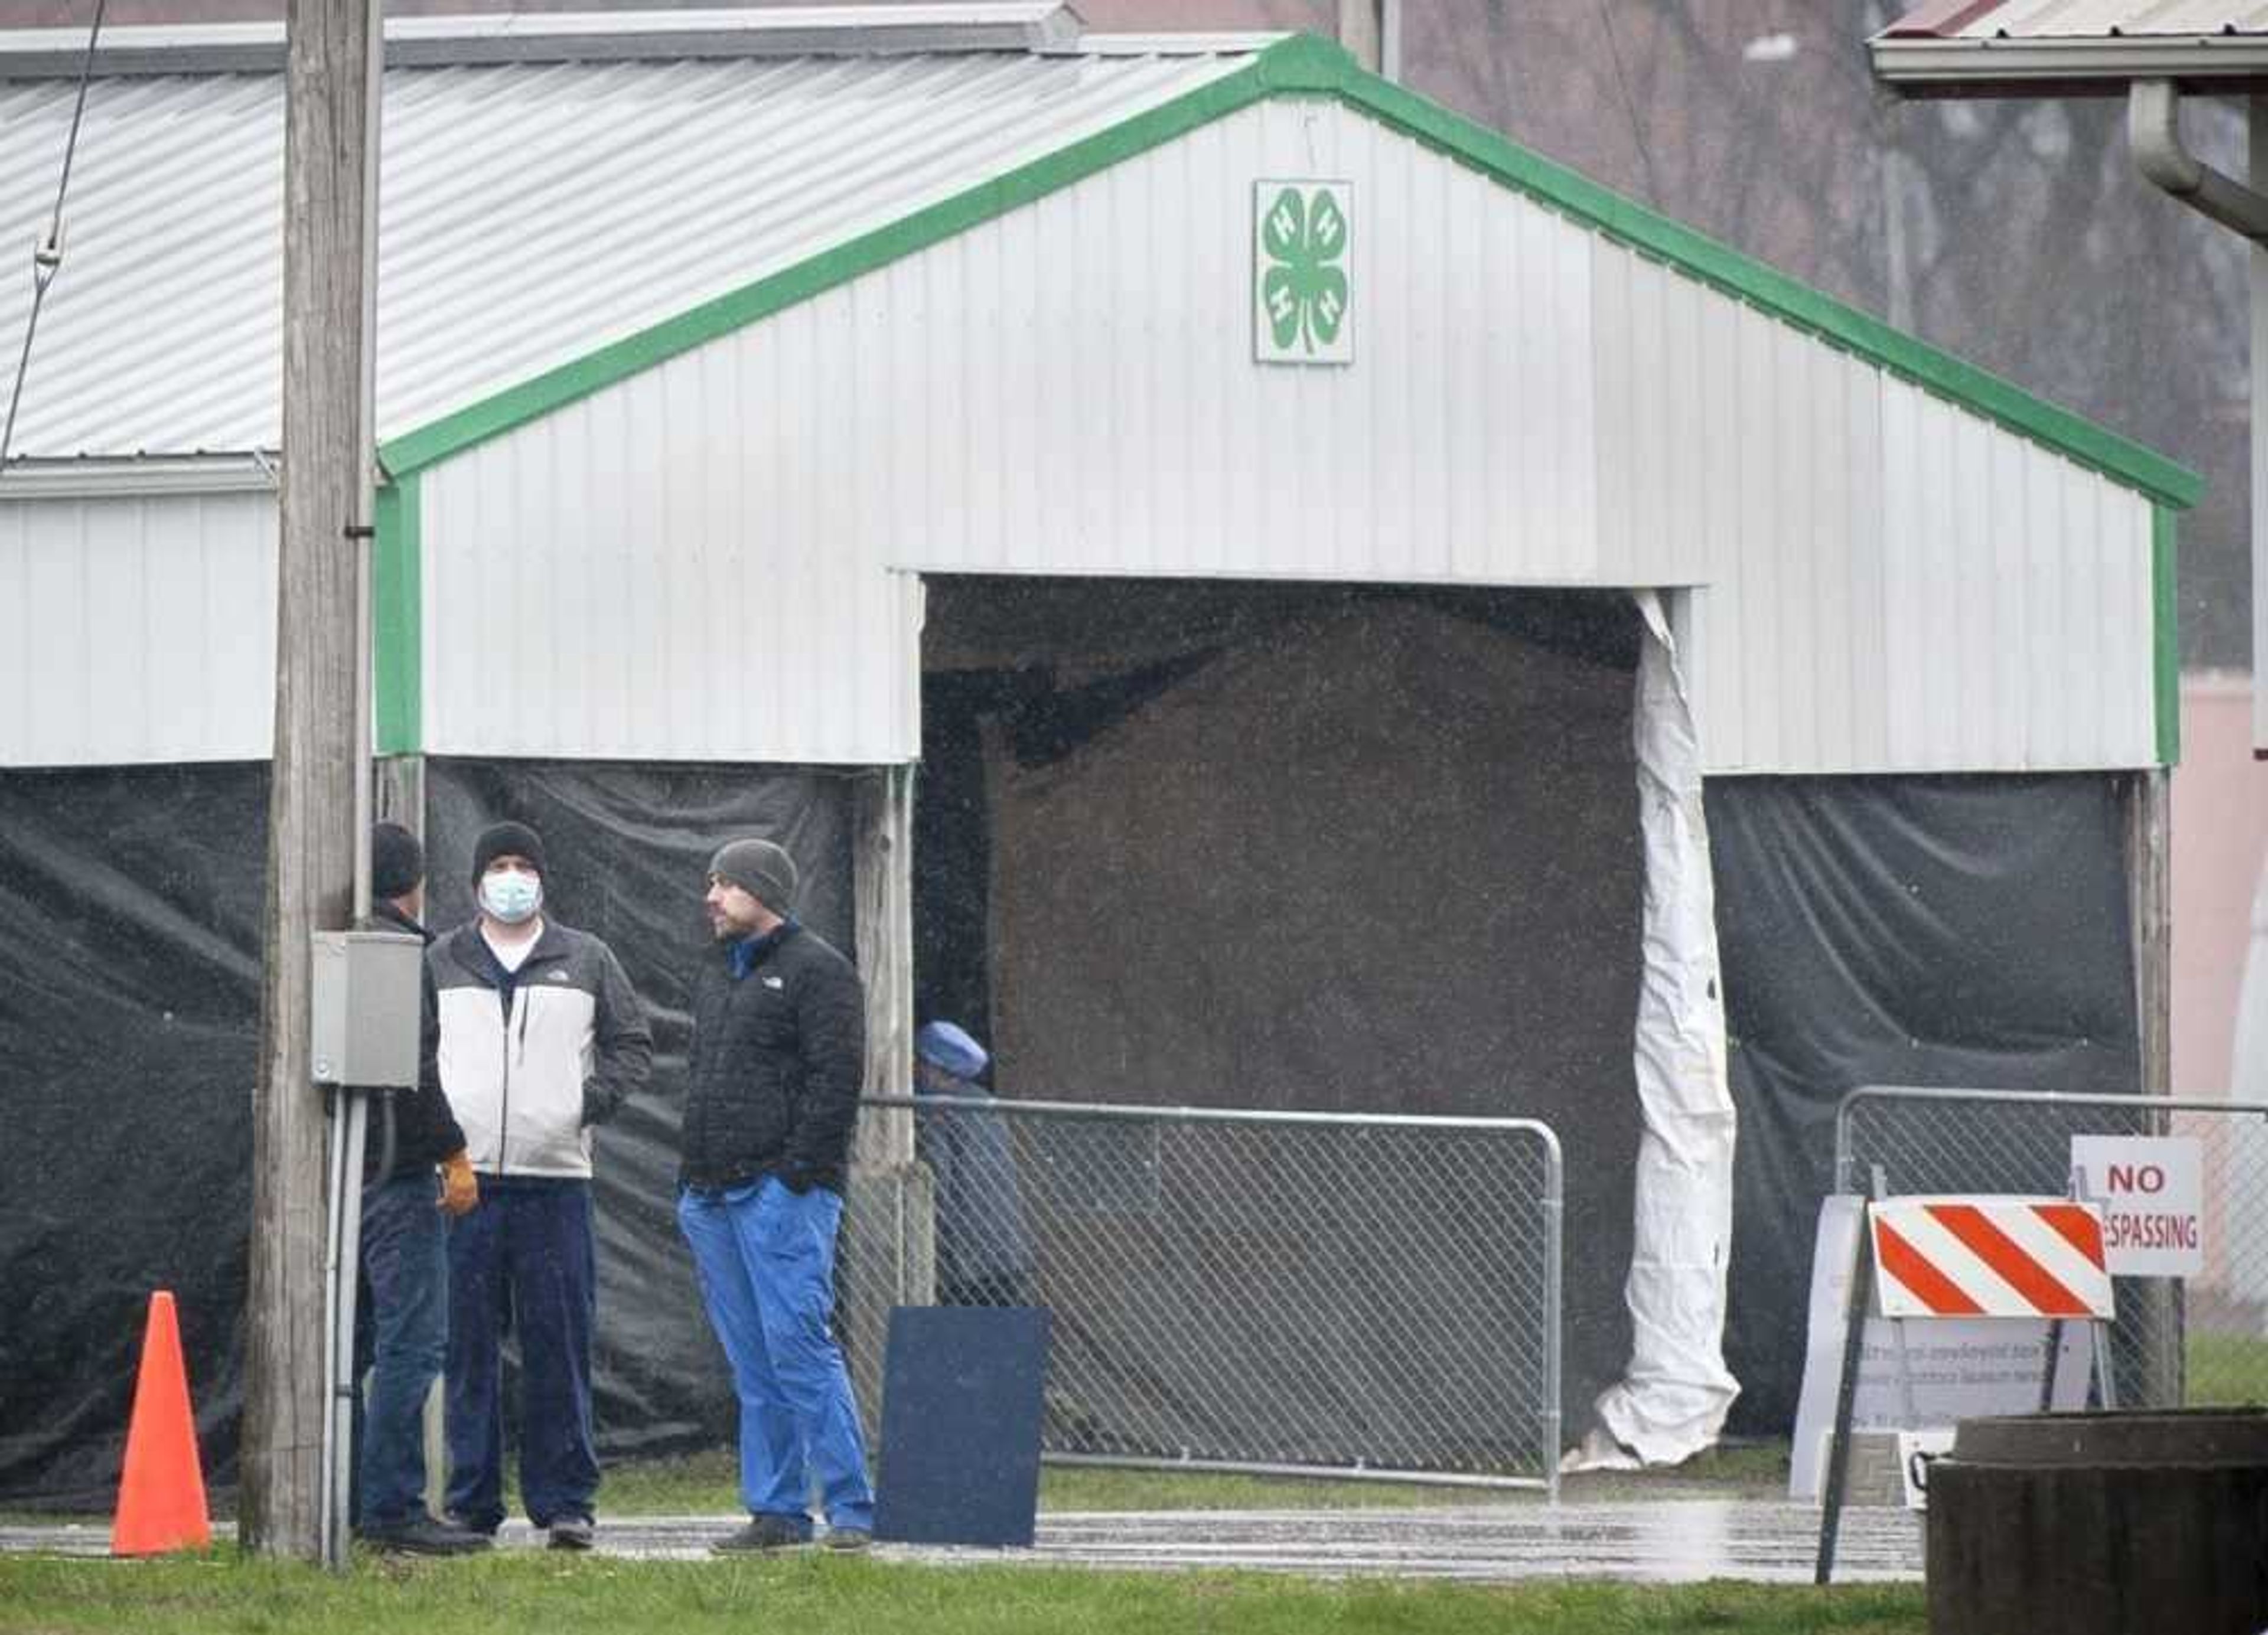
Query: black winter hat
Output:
(507,840)
(763,870)
(397,862)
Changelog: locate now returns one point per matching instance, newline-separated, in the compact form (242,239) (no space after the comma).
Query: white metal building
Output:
(795,309)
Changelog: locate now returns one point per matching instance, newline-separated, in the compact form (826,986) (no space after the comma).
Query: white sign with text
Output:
(2152,1190)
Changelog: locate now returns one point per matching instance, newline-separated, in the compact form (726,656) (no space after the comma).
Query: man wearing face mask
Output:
(542,1037)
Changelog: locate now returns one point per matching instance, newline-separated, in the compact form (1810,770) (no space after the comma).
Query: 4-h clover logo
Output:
(1301,257)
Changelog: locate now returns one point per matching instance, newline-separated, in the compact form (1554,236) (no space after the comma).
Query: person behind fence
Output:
(541,1039)
(773,1077)
(415,1176)
(984,1256)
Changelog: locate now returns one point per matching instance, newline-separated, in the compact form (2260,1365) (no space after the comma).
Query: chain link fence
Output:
(1254,1291)
(2193,1341)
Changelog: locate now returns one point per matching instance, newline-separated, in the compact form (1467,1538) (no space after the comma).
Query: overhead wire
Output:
(47,254)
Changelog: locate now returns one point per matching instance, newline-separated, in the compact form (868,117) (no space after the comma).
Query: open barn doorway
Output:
(1306,847)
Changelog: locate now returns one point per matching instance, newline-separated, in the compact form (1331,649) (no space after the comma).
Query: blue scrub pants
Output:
(766,1260)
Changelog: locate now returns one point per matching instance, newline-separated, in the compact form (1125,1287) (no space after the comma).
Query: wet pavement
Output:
(1678,1541)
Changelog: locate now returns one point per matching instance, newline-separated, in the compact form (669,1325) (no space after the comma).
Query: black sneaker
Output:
(848,1539)
(423,1536)
(573,1533)
(762,1533)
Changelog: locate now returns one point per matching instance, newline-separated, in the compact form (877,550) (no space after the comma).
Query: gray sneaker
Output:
(762,1533)
(573,1533)
(848,1539)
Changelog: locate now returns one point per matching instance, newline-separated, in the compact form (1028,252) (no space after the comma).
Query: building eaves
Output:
(1022,26)
(2071,48)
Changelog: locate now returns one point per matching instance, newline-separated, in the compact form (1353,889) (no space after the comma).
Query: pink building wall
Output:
(2220,834)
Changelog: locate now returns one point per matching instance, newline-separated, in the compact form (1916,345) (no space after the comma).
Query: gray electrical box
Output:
(367,992)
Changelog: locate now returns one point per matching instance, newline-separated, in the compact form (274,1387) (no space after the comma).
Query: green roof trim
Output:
(396,609)
(1306,65)
(2165,634)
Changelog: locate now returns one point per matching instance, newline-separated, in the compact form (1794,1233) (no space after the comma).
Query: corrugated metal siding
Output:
(531,213)
(137,630)
(1893,583)
(1069,389)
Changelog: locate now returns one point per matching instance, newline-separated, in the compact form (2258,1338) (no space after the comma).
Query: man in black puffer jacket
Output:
(778,1056)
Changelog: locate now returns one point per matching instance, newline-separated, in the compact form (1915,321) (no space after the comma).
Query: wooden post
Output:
(1359,32)
(401,792)
(329,81)
(886,1256)
(883,886)
(2157,1313)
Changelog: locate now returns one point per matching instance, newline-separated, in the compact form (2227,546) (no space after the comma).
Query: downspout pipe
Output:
(2154,132)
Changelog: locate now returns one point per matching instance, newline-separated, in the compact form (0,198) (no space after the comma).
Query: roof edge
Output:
(967,25)
(132,477)
(1306,65)
(2080,64)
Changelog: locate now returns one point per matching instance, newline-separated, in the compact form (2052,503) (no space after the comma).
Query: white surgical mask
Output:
(511,896)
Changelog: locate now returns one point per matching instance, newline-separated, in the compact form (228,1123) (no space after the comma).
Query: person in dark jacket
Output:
(984,1256)
(776,1061)
(543,1038)
(402,1331)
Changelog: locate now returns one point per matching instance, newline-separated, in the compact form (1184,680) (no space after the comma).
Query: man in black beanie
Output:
(774,1071)
(397,879)
(541,1039)
(401,1321)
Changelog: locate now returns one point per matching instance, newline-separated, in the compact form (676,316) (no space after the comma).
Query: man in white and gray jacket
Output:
(542,1037)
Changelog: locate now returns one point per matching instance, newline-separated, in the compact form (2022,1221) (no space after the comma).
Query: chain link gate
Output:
(2199,1341)
(1313,1293)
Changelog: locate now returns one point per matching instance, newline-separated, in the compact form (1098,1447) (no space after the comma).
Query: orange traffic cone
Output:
(161,1500)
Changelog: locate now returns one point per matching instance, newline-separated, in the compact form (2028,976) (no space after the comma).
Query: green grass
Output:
(2226,1370)
(544,1595)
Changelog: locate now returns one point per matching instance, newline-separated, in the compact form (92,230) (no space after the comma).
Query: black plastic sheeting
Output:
(1910,930)
(130,1010)
(1935,931)
(129,907)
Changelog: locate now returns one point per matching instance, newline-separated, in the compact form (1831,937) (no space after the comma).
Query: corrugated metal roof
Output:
(2073,44)
(531,213)
(2079,19)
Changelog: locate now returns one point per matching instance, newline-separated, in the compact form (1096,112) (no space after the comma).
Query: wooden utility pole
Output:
(1360,31)
(312,840)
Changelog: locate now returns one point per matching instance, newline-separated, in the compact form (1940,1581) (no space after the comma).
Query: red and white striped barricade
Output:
(1989,1257)
(1983,1257)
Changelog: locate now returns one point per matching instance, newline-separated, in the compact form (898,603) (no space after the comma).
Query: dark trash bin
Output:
(2123,1523)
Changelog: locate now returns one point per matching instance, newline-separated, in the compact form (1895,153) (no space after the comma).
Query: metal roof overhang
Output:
(2083,67)
(1022,26)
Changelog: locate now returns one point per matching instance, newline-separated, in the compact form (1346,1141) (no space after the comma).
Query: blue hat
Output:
(945,1046)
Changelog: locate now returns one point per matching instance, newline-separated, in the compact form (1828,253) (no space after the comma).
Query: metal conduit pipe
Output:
(2154,132)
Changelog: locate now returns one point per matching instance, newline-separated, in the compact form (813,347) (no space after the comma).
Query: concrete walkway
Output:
(1676,1541)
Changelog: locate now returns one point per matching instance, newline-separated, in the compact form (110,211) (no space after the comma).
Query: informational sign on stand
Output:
(1947,1370)
(2152,1190)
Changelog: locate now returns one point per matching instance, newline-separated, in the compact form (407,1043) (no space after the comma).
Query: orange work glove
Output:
(460,1189)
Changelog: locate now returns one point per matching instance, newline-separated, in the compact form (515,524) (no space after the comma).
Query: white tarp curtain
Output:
(1671,1403)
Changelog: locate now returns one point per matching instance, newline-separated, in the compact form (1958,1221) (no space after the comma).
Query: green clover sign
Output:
(1305,293)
